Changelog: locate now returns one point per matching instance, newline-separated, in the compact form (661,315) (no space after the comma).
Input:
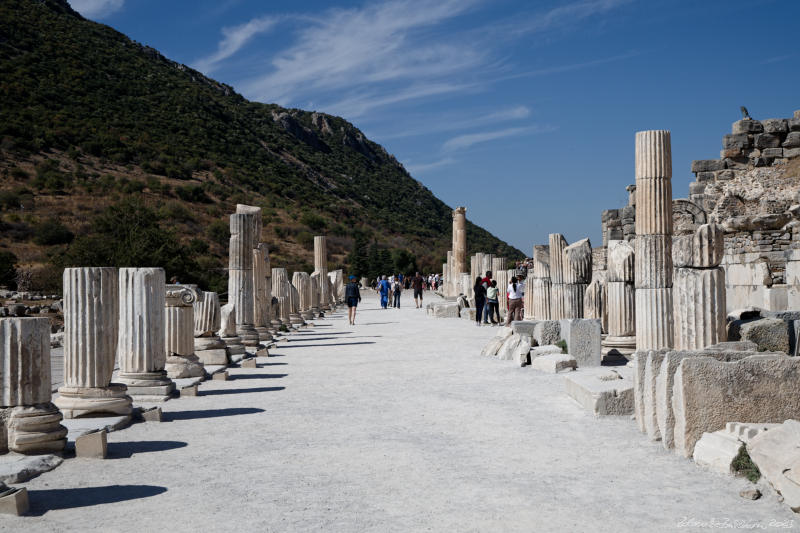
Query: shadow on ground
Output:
(256,376)
(239,391)
(210,413)
(124,450)
(42,501)
(293,345)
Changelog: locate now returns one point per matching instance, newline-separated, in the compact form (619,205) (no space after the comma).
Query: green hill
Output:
(105,144)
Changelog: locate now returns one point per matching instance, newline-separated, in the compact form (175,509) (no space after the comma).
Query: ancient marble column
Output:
(541,282)
(227,331)
(595,299)
(576,262)
(301,281)
(295,318)
(337,282)
(315,290)
(487,264)
(621,338)
(262,292)
(179,333)
(557,295)
(699,289)
(140,341)
(280,288)
(459,244)
(91,321)
(208,346)
(321,268)
(240,273)
(500,275)
(653,244)
(449,276)
(32,421)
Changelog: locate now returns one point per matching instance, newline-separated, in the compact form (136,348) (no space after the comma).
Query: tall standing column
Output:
(91,322)
(140,342)
(621,338)
(459,246)
(240,274)
(557,297)
(32,420)
(179,333)
(262,292)
(577,273)
(654,318)
(208,346)
(541,282)
(501,277)
(321,268)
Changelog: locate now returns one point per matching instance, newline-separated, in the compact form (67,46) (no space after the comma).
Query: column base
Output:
(248,334)
(81,402)
(296,320)
(624,346)
(184,366)
(210,350)
(35,429)
(307,315)
(152,385)
(233,346)
(263,333)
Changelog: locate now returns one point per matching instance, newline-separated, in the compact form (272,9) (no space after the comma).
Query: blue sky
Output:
(525,112)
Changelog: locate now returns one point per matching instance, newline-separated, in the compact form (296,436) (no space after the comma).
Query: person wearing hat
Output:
(352,296)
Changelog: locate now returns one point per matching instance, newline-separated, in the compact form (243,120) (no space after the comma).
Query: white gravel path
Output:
(396,424)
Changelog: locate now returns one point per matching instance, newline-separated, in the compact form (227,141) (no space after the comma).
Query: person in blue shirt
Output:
(383,289)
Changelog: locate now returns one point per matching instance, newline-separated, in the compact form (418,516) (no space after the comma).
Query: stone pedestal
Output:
(32,421)
(179,333)
(653,261)
(227,331)
(91,321)
(208,346)
(140,342)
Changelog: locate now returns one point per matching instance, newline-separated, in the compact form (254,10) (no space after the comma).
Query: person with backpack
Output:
(492,307)
(514,301)
(352,295)
(397,288)
(480,299)
(383,289)
(417,284)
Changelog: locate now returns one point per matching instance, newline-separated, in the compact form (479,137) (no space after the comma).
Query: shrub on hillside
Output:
(219,232)
(8,269)
(50,232)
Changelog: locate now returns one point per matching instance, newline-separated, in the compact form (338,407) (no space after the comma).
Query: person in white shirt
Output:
(515,293)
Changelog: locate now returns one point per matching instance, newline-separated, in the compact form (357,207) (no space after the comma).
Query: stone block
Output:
(583,337)
(19,468)
(777,456)
(708,246)
(708,393)
(249,363)
(554,363)
(772,153)
(523,350)
(652,368)
(769,334)
(538,351)
(152,415)
(547,332)
(496,342)
(220,376)
(767,140)
(699,307)
(468,313)
(190,390)
(653,259)
(747,126)
(524,327)
(14,501)
(92,445)
(508,350)
(792,140)
(682,251)
(736,141)
(794,124)
(716,451)
(775,125)
(707,165)
(446,310)
(602,391)
(654,321)
(791,152)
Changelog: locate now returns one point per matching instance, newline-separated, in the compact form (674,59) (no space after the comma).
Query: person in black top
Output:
(480,299)
(352,296)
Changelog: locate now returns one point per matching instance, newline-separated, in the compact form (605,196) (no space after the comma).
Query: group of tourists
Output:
(487,300)
(389,289)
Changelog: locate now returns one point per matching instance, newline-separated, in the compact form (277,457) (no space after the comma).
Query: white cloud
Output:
(452,123)
(465,141)
(235,38)
(424,167)
(96,9)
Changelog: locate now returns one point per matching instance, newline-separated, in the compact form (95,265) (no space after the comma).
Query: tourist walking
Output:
(487,282)
(352,296)
(480,299)
(416,283)
(514,292)
(383,289)
(397,288)
(492,307)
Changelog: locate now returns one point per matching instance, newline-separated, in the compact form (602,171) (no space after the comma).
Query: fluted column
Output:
(32,421)
(459,244)
(595,299)
(337,281)
(315,292)
(699,289)
(179,333)
(140,341)
(321,268)
(208,346)
(281,289)
(91,316)
(654,309)
(243,226)
(501,277)
(621,339)
(557,296)
(576,262)
(262,298)
(540,284)
(302,282)
(227,330)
